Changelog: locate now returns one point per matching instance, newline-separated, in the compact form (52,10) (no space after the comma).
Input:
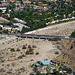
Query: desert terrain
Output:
(11,64)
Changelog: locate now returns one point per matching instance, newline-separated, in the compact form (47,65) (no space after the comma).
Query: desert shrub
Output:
(30,49)
(33,46)
(2,64)
(60,68)
(18,49)
(2,70)
(29,46)
(13,64)
(8,64)
(23,55)
(73,34)
(2,60)
(24,47)
(31,52)
(12,50)
(49,39)
(37,53)
(20,57)
(27,52)
(69,71)
(56,52)
(66,68)
(26,44)
(64,73)
(31,73)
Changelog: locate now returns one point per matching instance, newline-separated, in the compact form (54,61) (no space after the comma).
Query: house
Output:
(19,20)
(18,4)
(45,63)
(7,28)
(3,9)
(43,5)
(26,2)
(20,25)
(4,3)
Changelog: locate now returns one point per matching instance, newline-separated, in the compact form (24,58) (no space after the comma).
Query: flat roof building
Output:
(45,62)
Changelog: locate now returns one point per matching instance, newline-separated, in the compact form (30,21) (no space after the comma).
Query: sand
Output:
(45,48)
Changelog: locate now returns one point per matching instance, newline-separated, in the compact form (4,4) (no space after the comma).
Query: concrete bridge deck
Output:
(39,36)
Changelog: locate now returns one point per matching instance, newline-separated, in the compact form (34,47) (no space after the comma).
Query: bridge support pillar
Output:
(32,39)
(46,38)
(39,37)
(26,37)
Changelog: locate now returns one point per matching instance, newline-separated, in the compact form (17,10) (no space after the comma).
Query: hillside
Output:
(62,29)
(69,56)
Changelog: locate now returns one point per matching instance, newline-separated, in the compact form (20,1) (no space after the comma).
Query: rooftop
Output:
(46,62)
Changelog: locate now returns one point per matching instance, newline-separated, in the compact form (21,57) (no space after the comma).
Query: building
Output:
(26,2)
(18,4)
(45,63)
(19,20)
(3,9)
(4,3)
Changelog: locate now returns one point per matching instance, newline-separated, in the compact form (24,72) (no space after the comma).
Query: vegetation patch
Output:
(73,34)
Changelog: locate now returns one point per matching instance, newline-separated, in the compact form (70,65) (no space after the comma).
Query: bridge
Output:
(39,36)
(35,36)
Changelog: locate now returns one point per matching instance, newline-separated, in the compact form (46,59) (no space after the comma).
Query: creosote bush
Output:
(18,49)
(12,50)
(29,46)
(33,46)
(37,53)
(24,47)
(20,57)
(56,52)
(29,52)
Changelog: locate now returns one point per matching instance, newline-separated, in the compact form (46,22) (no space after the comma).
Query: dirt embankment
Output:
(69,56)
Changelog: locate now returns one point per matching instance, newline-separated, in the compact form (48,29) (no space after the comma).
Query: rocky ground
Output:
(68,57)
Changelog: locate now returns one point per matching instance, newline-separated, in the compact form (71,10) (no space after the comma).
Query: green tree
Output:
(27,52)
(5,31)
(7,10)
(73,34)
(0,12)
(69,71)
(0,28)
(73,4)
